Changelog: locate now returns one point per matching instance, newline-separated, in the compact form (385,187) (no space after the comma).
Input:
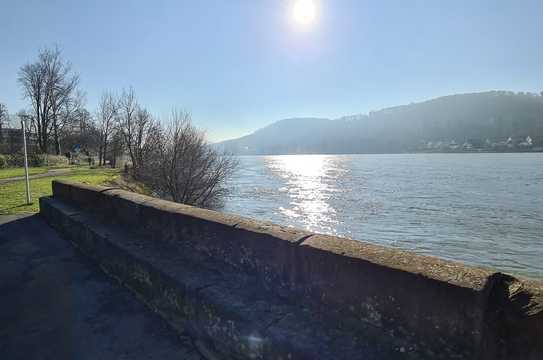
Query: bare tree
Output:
(32,79)
(69,121)
(3,117)
(62,85)
(106,114)
(81,131)
(186,169)
(117,145)
(49,84)
(141,133)
(128,106)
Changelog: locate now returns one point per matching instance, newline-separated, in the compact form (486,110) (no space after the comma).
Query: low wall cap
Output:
(428,266)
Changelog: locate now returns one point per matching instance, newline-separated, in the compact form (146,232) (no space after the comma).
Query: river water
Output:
(480,209)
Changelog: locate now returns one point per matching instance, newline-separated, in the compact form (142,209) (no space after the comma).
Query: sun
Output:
(304,11)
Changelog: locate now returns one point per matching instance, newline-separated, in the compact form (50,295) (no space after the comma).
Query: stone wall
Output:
(353,297)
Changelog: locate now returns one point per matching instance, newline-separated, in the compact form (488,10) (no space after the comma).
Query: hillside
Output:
(492,121)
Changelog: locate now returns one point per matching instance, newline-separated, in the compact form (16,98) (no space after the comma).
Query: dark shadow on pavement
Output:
(55,304)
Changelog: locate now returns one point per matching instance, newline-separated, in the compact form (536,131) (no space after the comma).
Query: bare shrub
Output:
(185,168)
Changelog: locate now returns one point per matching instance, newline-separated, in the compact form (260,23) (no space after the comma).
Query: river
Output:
(480,209)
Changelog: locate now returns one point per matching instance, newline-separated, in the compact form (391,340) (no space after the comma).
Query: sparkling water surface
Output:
(481,209)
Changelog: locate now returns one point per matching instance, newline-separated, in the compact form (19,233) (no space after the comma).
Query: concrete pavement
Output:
(54,304)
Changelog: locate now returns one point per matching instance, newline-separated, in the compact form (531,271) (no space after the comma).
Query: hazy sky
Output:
(240,65)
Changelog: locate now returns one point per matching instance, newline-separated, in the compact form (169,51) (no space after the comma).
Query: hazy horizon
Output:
(239,66)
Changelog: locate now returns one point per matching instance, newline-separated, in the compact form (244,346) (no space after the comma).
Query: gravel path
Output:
(53,172)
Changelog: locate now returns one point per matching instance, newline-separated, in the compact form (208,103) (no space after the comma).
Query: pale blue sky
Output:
(240,65)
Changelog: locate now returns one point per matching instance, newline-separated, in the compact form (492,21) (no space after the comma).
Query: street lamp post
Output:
(27,180)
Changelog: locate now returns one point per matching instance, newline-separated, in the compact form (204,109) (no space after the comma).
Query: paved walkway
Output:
(52,172)
(54,304)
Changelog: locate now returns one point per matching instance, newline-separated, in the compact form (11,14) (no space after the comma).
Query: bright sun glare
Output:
(304,11)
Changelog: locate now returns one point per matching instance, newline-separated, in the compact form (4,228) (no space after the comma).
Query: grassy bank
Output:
(13,198)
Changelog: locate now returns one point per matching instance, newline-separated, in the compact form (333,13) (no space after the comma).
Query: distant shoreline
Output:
(406,153)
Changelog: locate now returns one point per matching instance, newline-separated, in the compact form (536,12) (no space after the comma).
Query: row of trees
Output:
(172,157)
(175,159)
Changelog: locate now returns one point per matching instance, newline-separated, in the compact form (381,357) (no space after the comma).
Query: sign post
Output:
(28,196)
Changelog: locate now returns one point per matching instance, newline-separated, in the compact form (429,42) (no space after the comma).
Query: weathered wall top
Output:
(438,306)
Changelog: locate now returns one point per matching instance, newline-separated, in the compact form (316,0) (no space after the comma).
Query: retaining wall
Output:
(336,296)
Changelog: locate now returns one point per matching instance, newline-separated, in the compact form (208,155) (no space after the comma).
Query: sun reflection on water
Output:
(310,182)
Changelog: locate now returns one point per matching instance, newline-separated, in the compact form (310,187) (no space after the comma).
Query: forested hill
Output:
(495,120)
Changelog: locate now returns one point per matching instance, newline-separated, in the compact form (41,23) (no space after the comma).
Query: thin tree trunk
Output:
(100,155)
(44,146)
(55,134)
(104,154)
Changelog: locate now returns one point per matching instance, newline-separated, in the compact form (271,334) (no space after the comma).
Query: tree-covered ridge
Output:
(490,121)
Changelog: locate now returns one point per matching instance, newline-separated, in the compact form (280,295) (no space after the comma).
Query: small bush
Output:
(15,160)
(36,160)
(57,160)
(3,161)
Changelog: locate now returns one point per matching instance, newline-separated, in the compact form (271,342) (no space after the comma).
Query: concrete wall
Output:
(418,306)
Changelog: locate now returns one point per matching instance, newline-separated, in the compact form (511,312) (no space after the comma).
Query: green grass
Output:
(14,172)
(13,195)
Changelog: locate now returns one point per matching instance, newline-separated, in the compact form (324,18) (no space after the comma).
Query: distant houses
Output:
(510,143)
(527,143)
